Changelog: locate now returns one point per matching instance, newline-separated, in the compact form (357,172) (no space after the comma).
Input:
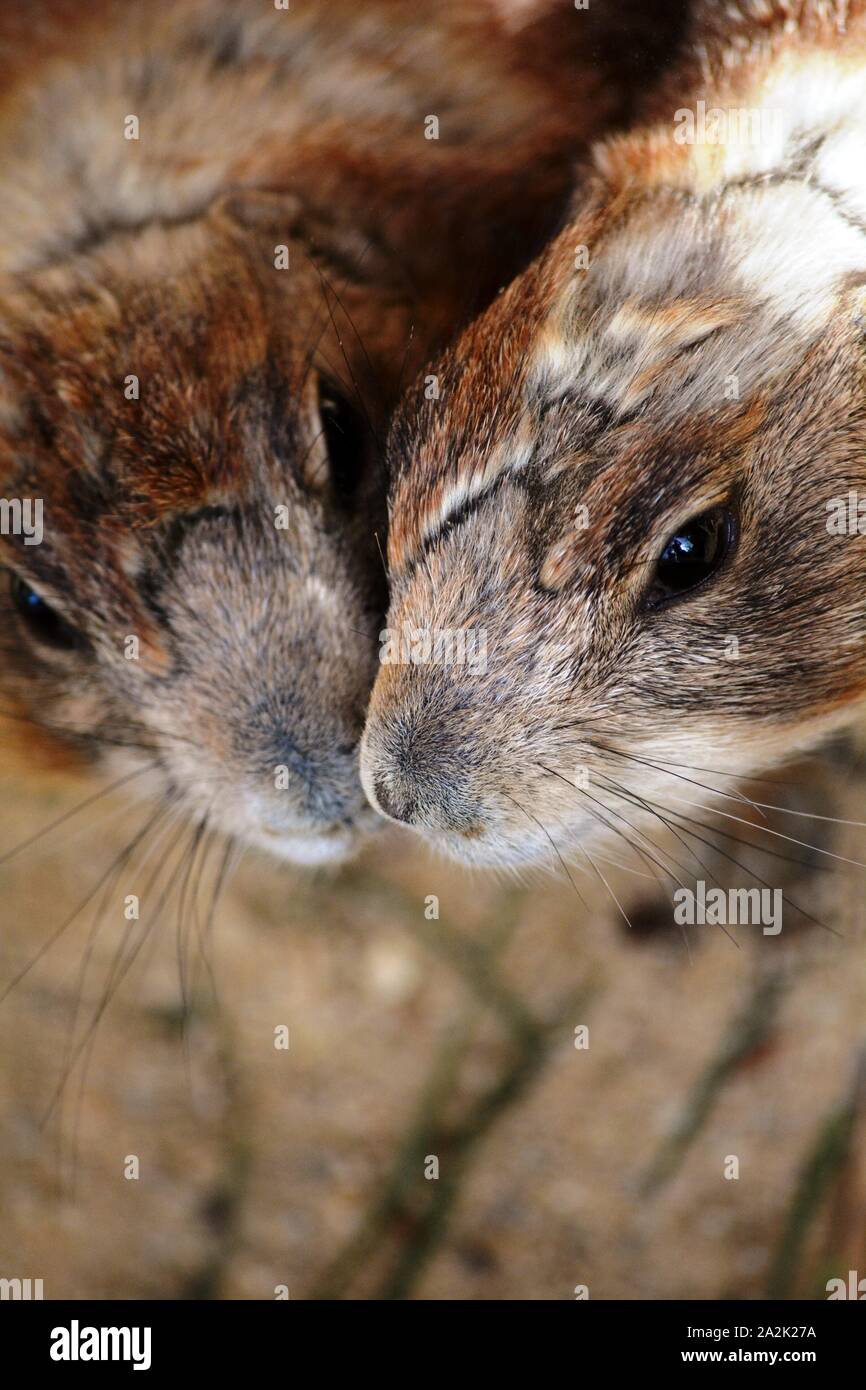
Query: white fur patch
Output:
(781,246)
(782,242)
(509,457)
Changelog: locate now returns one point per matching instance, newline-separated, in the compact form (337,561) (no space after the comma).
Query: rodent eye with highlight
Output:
(41,620)
(692,555)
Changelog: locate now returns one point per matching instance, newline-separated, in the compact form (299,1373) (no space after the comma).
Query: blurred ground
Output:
(413,1039)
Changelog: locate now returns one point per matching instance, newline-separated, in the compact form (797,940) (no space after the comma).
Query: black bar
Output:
(228,1338)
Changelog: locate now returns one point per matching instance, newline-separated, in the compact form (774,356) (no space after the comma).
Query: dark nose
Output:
(395,804)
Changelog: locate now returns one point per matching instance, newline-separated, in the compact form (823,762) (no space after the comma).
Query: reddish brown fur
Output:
(156,258)
(603,389)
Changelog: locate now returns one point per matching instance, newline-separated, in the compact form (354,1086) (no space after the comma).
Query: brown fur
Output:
(600,393)
(155,257)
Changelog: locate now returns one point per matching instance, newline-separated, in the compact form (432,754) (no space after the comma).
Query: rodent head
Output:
(205,592)
(257,644)
(635,524)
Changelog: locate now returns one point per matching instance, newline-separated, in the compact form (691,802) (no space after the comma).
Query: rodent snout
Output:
(410,778)
(391,802)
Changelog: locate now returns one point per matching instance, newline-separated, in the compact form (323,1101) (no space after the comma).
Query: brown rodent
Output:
(226,242)
(644,482)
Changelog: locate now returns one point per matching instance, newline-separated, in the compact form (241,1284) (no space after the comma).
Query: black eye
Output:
(346,439)
(41,619)
(692,555)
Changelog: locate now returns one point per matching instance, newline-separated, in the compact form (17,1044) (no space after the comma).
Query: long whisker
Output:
(64,926)
(198,835)
(767,830)
(359,394)
(102,907)
(123,964)
(671,763)
(599,873)
(649,806)
(657,810)
(659,767)
(328,287)
(810,815)
(164,812)
(402,373)
(752,825)
(653,808)
(717,849)
(596,870)
(604,821)
(552,843)
(76,810)
(640,802)
(229,861)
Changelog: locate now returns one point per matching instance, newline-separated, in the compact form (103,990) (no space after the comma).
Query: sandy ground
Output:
(416,1043)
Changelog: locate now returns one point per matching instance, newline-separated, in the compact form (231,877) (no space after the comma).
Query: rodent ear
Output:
(285,215)
(258,209)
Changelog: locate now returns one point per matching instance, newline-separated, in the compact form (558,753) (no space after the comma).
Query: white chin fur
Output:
(310,850)
(501,852)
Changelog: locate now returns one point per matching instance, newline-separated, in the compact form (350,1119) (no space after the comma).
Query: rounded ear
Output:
(258,209)
(284,215)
